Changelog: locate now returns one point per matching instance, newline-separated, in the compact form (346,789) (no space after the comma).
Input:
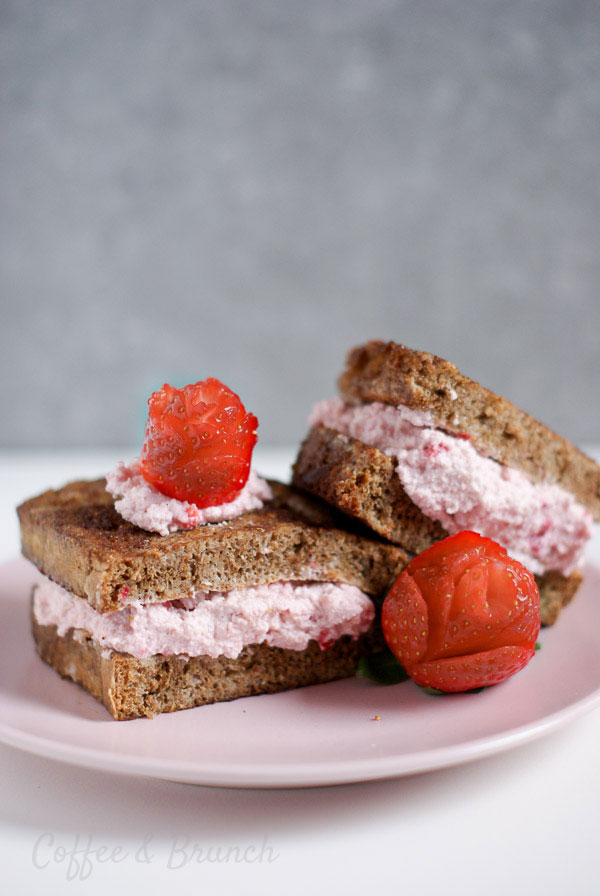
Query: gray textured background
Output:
(245,189)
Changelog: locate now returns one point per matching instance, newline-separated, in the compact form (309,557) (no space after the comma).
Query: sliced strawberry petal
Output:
(463,673)
(464,545)
(404,620)
(437,587)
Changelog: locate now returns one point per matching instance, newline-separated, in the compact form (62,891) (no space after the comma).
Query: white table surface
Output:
(525,821)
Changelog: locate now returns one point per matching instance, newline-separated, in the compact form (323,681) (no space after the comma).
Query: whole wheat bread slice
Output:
(393,374)
(362,482)
(75,537)
(133,688)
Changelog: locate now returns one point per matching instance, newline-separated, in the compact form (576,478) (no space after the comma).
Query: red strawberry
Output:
(463,614)
(198,443)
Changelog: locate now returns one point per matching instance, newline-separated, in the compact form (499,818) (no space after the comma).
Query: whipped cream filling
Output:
(539,523)
(140,503)
(214,623)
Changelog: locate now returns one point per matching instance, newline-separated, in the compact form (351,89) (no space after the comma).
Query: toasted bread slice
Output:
(362,482)
(76,538)
(393,374)
(133,688)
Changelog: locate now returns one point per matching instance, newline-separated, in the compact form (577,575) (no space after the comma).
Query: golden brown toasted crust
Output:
(76,537)
(133,688)
(393,374)
(362,482)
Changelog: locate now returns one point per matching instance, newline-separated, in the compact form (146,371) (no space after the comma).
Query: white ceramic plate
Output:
(320,735)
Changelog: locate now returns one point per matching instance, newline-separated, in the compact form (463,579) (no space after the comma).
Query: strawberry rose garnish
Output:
(462,615)
(198,443)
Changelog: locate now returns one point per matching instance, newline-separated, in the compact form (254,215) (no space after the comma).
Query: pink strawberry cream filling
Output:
(144,506)
(282,614)
(538,523)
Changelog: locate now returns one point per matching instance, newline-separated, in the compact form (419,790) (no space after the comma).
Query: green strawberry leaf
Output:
(381,667)
(538,646)
(436,693)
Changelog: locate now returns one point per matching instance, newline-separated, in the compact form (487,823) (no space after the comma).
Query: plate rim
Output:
(308,774)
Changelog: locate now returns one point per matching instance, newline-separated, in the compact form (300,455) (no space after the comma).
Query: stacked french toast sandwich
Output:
(184,578)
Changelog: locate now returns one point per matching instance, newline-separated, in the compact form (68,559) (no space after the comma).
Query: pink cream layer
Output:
(540,524)
(282,614)
(144,506)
